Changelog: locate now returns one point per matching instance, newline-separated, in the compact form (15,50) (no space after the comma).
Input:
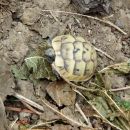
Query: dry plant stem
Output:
(121,111)
(13,123)
(66,117)
(42,124)
(99,50)
(120,89)
(32,103)
(31,108)
(91,17)
(17,109)
(108,67)
(54,17)
(81,112)
(97,111)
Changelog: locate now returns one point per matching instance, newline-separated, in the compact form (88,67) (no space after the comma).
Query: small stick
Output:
(32,103)
(41,124)
(16,109)
(66,117)
(82,113)
(13,123)
(31,108)
(99,50)
(91,17)
(120,89)
(54,17)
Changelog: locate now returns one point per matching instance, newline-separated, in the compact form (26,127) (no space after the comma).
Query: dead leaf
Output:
(62,127)
(70,113)
(49,114)
(61,93)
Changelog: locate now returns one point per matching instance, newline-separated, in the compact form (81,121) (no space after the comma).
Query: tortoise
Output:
(75,58)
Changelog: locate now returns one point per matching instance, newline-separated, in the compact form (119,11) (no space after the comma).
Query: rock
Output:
(5,24)
(26,89)
(34,117)
(47,27)
(52,4)
(31,15)
(6,80)
(124,20)
(118,4)
(91,6)
(16,44)
(23,115)
(3,121)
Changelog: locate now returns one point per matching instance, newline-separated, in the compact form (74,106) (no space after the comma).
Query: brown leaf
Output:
(61,93)
(62,127)
(71,114)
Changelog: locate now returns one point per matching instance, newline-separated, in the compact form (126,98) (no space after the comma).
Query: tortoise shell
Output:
(75,58)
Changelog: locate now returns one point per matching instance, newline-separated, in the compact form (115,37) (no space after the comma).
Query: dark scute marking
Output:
(66,42)
(75,42)
(65,66)
(77,69)
(92,60)
(57,41)
(87,49)
(84,46)
(74,68)
(63,38)
(76,50)
(85,70)
(84,52)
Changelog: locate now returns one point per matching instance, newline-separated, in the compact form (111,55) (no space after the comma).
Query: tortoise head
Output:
(50,54)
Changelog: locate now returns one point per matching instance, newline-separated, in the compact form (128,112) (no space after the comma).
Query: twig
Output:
(110,67)
(16,109)
(41,124)
(54,17)
(120,89)
(91,17)
(104,118)
(31,108)
(82,113)
(32,103)
(13,123)
(99,50)
(120,110)
(66,117)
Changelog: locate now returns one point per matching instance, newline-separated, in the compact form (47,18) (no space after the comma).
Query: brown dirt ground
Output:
(24,25)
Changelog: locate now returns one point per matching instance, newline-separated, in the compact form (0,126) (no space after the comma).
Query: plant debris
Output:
(33,96)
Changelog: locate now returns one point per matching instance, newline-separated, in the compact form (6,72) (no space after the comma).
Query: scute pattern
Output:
(75,58)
